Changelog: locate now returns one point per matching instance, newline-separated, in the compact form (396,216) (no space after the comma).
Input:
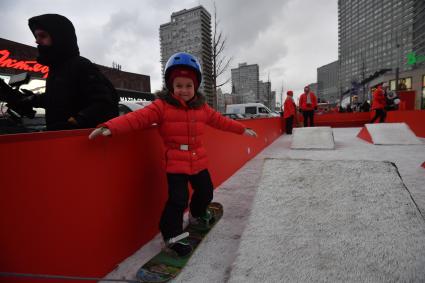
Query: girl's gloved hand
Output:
(250,132)
(99,131)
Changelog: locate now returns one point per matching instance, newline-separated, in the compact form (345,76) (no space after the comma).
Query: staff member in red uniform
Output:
(181,114)
(308,103)
(289,112)
(378,104)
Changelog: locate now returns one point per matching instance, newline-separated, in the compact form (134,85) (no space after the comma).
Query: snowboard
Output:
(165,265)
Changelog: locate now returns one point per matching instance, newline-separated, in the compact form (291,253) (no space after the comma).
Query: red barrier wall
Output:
(415,119)
(338,120)
(407,99)
(70,206)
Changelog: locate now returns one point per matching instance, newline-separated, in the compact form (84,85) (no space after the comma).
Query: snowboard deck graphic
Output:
(166,266)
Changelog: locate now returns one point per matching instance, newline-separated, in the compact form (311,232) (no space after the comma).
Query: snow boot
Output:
(204,222)
(179,245)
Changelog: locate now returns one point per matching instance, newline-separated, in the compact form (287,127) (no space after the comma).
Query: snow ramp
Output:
(331,221)
(313,138)
(389,134)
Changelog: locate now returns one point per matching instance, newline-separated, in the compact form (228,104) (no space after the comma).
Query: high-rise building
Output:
(273,105)
(419,43)
(221,102)
(374,35)
(245,82)
(265,93)
(190,31)
(328,82)
(419,29)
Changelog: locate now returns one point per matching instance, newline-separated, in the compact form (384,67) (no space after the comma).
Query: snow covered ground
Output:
(313,138)
(230,255)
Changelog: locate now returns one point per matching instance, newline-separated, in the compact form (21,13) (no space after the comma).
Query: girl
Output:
(181,114)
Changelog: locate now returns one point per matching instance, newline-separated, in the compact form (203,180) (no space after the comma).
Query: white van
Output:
(250,110)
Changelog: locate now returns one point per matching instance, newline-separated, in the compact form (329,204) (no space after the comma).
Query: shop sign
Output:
(413,59)
(29,66)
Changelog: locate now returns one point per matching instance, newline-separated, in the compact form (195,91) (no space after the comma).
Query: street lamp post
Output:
(397,70)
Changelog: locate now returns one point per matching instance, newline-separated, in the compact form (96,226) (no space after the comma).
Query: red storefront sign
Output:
(29,66)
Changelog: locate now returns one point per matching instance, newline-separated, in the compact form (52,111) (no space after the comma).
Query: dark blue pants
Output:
(381,114)
(308,115)
(289,125)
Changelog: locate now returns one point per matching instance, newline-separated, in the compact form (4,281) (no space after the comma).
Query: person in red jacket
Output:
(307,104)
(378,104)
(181,114)
(289,112)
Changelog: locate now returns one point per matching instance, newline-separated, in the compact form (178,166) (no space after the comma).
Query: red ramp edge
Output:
(365,135)
(423,164)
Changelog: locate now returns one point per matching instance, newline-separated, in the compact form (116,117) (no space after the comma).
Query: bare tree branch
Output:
(222,84)
(220,62)
(224,68)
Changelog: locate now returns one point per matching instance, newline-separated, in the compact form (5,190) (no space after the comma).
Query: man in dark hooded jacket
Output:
(77,94)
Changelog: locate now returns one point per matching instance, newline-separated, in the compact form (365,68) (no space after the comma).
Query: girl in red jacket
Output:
(289,112)
(181,114)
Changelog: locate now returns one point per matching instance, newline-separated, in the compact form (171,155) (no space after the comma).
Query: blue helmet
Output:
(182,59)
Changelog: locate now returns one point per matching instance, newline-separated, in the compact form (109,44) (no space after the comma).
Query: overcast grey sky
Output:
(288,39)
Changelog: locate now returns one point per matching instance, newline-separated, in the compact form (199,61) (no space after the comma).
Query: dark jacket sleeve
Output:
(100,99)
(39,100)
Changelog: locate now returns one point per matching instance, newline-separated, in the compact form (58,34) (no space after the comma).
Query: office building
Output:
(245,82)
(190,31)
(373,35)
(419,29)
(376,39)
(265,93)
(327,82)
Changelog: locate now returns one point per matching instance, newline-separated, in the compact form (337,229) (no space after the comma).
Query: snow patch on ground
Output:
(334,221)
(313,138)
(392,134)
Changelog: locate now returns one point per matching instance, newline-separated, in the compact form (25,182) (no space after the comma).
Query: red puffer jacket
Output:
(289,108)
(181,127)
(308,106)
(378,100)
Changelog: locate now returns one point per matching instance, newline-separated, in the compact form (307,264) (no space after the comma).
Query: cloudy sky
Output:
(288,39)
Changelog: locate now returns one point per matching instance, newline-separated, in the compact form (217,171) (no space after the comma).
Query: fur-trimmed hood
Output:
(196,102)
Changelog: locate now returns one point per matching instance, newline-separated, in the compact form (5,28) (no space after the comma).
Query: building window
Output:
(403,84)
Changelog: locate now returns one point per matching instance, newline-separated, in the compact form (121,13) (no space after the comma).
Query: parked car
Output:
(13,124)
(36,124)
(235,116)
(125,107)
(254,110)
